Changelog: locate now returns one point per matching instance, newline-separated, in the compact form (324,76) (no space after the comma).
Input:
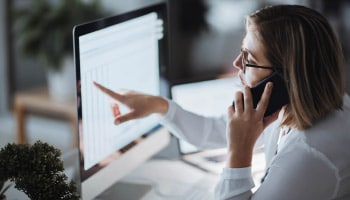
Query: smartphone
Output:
(279,96)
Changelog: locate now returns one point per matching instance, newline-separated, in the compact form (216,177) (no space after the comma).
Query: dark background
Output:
(205,37)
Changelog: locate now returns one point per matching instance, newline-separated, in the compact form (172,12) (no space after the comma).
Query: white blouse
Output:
(310,164)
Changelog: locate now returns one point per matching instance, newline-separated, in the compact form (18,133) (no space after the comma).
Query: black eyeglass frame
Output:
(245,65)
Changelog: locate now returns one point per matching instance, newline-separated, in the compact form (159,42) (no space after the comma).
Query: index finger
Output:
(264,101)
(109,92)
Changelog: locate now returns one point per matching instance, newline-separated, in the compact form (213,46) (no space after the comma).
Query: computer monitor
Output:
(127,51)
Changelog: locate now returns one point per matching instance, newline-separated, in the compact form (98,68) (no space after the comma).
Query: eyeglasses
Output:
(245,63)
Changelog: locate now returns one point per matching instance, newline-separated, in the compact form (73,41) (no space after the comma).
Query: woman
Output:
(305,142)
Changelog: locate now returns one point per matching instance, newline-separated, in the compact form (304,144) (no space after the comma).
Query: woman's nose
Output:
(237,63)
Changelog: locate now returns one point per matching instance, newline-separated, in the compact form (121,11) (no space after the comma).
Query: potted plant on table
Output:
(36,170)
(44,31)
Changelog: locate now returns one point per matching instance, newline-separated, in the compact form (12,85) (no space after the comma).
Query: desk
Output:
(38,101)
(167,179)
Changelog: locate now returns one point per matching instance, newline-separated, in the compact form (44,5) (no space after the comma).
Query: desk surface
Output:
(170,179)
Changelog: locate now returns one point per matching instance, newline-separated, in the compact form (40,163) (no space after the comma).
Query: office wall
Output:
(205,40)
(338,13)
(346,41)
(191,54)
(27,72)
(119,6)
(3,61)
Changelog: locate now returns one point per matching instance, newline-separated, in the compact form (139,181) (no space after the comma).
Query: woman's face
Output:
(254,56)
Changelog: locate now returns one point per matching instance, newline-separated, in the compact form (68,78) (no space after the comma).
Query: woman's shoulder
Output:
(328,164)
(335,125)
(329,138)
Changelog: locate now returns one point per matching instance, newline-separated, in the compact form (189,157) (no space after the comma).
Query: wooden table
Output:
(37,101)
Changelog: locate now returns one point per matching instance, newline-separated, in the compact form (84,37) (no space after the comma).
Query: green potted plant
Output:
(44,32)
(36,170)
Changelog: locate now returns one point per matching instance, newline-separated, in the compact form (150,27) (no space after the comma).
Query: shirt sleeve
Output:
(297,173)
(235,183)
(203,132)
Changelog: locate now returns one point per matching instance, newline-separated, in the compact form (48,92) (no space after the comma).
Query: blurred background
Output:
(35,44)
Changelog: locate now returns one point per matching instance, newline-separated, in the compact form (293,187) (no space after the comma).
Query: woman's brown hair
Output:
(301,41)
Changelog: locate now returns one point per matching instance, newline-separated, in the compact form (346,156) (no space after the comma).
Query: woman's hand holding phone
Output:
(245,124)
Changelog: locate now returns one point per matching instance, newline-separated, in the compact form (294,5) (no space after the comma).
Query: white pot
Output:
(61,83)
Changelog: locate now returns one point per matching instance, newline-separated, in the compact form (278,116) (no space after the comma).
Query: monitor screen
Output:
(127,51)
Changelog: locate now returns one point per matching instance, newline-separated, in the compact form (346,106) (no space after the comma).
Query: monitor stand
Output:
(124,190)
